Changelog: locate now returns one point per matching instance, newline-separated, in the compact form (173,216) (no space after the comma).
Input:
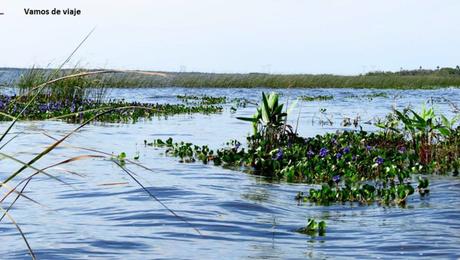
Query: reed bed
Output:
(411,79)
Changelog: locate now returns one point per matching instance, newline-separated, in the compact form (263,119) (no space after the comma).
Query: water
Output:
(239,215)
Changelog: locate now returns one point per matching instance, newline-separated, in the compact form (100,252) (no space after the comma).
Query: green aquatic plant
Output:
(370,96)
(205,100)
(270,127)
(313,228)
(121,158)
(362,193)
(422,187)
(434,139)
(76,111)
(351,166)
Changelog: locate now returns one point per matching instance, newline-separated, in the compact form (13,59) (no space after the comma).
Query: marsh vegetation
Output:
(391,164)
(351,166)
(403,79)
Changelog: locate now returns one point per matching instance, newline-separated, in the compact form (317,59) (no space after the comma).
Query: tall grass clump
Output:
(68,90)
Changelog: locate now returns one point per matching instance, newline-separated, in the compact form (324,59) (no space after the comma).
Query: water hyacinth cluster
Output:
(76,110)
(355,166)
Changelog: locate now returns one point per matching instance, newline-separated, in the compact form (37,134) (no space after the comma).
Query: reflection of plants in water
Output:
(347,121)
(324,118)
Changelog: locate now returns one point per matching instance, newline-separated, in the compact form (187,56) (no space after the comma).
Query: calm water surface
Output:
(239,215)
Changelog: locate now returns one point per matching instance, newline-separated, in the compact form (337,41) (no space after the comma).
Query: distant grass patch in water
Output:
(370,96)
(205,100)
(316,98)
(215,100)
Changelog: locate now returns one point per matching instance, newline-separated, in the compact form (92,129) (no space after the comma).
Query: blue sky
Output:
(277,36)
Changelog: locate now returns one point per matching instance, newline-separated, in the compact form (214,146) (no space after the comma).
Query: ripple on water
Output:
(239,215)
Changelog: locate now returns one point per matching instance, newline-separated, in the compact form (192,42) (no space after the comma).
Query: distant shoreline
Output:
(405,79)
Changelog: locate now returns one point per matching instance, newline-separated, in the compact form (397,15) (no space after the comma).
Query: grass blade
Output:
(31,252)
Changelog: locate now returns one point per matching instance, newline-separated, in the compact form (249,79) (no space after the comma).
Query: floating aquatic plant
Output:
(350,166)
(313,228)
(316,98)
(77,111)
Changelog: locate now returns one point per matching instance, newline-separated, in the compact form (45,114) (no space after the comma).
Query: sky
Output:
(235,36)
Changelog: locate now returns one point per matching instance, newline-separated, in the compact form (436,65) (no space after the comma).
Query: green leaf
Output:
(444,131)
(445,121)
(273,100)
(248,119)
(278,110)
(419,118)
(265,109)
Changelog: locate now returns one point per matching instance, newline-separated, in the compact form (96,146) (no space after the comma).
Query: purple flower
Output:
(346,149)
(323,152)
(379,160)
(368,147)
(279,154)
(310,153)
(336,178)
(338,155)
(43,108)
(402,149)
(333,141)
